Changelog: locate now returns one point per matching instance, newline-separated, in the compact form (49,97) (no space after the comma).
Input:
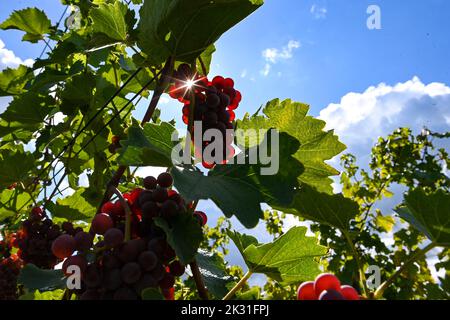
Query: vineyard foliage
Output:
(109,58)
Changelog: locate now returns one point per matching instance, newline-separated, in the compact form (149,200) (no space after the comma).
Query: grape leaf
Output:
(428,213)
(164,32)
(15,167)
(184,234)
(212,268)
(239,189)
(46,295)
(148,146)
(32,21)
(13,81)
(73,208)
(34,278)
(241,240)
(29,109)
(292,258)
(13,202)
(109,19)
(334,210)
(316,145)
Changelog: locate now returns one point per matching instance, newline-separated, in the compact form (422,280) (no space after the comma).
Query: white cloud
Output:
(244,73)
(9,59)
(360,118)
(274,55)
(318,12)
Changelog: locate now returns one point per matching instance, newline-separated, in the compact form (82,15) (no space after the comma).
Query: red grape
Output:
(63,246)
(349,293)
(306,291)
(326,281)
(101,223)
(331,295)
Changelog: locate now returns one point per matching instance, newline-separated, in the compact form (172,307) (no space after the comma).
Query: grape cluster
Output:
(9,271)
(211,102)
(326,287)
(122,269)
(34,240)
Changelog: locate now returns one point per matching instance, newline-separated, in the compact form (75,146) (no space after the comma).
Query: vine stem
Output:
(202,291)
(362,275)
(419,253)
(128,213)
(238,286)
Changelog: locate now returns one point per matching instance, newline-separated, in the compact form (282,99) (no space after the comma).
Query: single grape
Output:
(150,183)
(213,101)
(158,246)
(112,279)
(147,260)
(158,272)
(63,246)
(331,294)
(306,291)
(201,216)
(110,261)
(83,241)
(108,207)
(165,180)
(127,252)
(349,293)
(101,223)
(326,281)
(150,210)
(113,237)
(130,273)
(146,281)
(92,276)
(169,209)
(145,197)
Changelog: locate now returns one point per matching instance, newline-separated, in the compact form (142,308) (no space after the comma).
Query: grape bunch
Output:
(326,287)
(9,271)
(34,240)
(122,269)
(211,102)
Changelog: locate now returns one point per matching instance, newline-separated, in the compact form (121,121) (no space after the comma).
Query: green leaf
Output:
(29,109)
(15,167)
(206,58)
(34,278)
(242,241)
(239,189)
(164,31)
(109,19)
(74,207)
(292,258)
(148,146)
(252,294)
(334,210)
(13,202)
(316,145)
(13,81)
(46,295)
(212,268)
(152,294)
(32,21)
(184,234)
(428,213)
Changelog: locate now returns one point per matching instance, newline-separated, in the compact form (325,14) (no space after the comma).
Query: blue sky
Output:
(364,83)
